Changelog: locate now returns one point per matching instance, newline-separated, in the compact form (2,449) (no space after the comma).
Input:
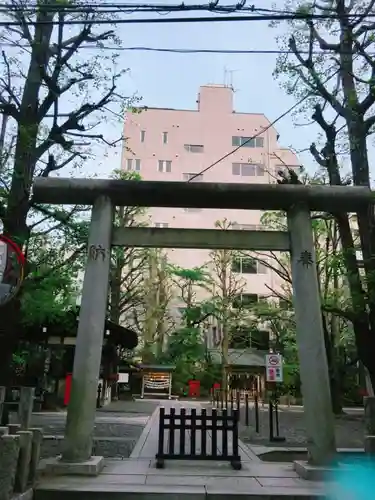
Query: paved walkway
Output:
(138,477)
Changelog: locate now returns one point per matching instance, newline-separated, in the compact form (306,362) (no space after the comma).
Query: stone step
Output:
(115,491)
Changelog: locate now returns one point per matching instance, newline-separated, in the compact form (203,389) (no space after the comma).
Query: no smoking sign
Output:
(274,370)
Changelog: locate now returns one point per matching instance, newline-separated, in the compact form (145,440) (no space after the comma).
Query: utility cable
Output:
(186,20)
(87,7)
(187,51)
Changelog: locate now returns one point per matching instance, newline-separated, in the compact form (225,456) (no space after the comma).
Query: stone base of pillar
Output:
(312,472)
(56,467)
(26,495)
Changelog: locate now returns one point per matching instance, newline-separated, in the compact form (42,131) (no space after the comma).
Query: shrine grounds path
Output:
(350,427)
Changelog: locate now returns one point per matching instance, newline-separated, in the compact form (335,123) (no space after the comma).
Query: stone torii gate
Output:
(296,200)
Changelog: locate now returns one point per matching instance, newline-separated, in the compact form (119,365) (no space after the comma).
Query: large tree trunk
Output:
(363,319)
(332,371)
(25,158)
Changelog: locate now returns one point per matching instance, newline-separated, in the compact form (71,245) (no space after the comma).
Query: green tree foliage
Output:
(335,297)
(127,264)
(331,65)
(44,66)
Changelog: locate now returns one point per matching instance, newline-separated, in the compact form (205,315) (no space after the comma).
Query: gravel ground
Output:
(350,428)
(117,428)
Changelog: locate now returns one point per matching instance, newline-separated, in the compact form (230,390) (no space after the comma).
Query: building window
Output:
(133,164)
(244,265)
(165,166)
(165,137)
(248,169)
(248,265)
(244,338)
(248,142)
(194,148)
(193,177)
(262,268)
(161,224)
(245,300)
(143,135)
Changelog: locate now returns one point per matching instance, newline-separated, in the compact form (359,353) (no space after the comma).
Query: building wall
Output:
(156,135)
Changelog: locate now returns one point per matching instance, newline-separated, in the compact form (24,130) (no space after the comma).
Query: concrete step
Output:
(115,491)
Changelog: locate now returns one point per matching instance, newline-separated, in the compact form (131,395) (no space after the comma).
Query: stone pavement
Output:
(349,427)
(138,478)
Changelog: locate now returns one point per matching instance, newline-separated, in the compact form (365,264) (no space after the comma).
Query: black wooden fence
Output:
(189,431)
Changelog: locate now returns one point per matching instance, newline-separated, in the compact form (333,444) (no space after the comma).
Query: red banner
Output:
(68,387)
(194,388)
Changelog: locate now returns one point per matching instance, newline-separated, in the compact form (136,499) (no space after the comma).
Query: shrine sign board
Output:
(274,368)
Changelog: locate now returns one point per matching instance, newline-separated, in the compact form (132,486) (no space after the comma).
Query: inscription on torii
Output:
(96,251)
(306,259)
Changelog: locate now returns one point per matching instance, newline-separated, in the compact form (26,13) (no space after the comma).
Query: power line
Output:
(212,6)
(185,20)
(187,51)
(105,9)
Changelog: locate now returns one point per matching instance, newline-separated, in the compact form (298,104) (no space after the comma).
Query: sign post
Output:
(274,368)
(274,374)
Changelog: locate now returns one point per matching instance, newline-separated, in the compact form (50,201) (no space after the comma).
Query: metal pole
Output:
(277,418)
(247,410)
(270,420)
(256,405)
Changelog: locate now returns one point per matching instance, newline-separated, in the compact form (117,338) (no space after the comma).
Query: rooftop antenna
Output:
(225,76)
(231,71)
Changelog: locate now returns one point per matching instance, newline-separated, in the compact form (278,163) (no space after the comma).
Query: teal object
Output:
(354,481)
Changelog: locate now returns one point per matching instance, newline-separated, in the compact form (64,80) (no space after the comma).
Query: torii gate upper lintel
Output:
(296,200)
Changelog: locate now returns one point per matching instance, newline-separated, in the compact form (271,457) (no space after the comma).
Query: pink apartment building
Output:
(175,144)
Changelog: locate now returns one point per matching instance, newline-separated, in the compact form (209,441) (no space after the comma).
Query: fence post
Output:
(214,433)
(256,408)
(204,432)
(98,395)
(23,467)
(159,456)
(182,430)
(247,410)
(25,407)
(238,400)
(225,433)
(236,460)
(172,428)
(2,399)
(9,451)
(193,431)
(35,452)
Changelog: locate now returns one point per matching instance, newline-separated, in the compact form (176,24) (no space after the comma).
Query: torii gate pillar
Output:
(80,422)
(313,363)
